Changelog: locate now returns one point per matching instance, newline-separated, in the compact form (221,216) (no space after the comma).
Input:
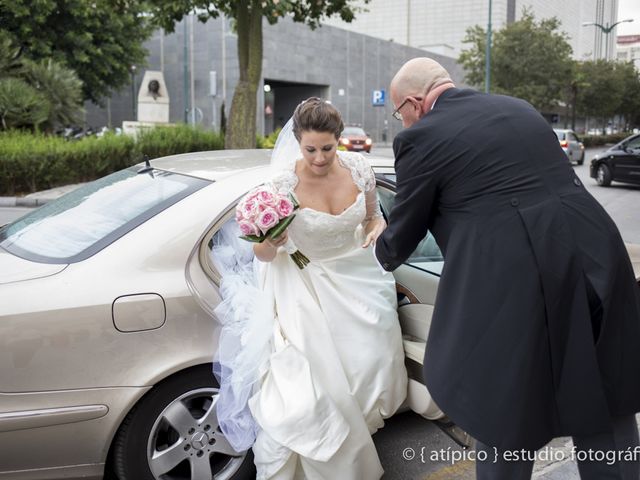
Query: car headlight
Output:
(344,141)
(367,141)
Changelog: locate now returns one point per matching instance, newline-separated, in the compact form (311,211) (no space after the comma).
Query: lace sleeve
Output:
(368,181)
(365,180)
(373,205)
(284,182)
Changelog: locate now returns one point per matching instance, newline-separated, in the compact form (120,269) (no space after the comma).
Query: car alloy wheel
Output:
(187,432)
(603,175)
(173,434)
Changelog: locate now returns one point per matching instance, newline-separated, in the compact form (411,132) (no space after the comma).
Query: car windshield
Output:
(353,131)
(84,221)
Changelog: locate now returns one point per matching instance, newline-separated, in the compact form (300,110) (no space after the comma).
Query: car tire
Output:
(603,175)
(176,417)
(581,161)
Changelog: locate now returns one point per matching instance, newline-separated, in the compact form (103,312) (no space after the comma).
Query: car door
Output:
(417,285)
(627,165)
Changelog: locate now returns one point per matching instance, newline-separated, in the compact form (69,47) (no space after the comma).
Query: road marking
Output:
(463,470)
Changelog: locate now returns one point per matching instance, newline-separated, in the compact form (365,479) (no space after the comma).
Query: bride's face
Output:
(318,151)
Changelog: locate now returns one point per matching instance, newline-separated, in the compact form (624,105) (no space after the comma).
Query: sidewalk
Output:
(38,198)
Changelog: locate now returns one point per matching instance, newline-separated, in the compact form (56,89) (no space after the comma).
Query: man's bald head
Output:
(419,76)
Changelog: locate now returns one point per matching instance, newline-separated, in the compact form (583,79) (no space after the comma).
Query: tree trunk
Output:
(241,127)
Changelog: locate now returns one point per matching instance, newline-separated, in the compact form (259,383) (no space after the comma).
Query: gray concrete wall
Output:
(342,66)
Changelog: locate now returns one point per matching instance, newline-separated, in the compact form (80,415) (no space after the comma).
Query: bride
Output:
(333,367)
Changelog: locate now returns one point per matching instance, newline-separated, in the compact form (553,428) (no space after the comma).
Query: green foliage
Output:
(269,141)
(602,92)
(163,141)
(310,12)
(61,88)
(32,162)
(630,104)
(601,140)
(36,95)
(529,59)
(99,39)
(9,56)
(21,105)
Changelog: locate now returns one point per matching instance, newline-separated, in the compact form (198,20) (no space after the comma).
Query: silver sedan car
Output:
(571,145)
(107,325)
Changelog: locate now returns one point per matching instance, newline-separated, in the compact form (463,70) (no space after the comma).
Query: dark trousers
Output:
(623,438)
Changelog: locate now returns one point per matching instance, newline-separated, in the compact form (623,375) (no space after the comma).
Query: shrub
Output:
(30,162)
(269,141)
(163,141)
(600,140)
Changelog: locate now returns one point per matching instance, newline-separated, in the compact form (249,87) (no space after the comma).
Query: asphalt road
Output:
(412,448)
(9,214)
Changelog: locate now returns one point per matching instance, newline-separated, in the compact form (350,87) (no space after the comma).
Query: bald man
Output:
(536,328)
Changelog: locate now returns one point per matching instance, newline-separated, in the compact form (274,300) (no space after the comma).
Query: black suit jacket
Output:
(536,328)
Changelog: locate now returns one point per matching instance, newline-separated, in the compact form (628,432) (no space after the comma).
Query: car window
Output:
(572,137)
(634,143)
(353,131)
(559,134)
(427,255)
(86,220)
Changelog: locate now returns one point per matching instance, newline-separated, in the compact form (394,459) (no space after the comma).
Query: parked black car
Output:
(620,163)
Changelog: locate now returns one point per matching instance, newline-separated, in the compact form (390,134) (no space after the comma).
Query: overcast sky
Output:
(628,9)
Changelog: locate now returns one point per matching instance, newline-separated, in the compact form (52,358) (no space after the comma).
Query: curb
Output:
(7,201)
(23,201)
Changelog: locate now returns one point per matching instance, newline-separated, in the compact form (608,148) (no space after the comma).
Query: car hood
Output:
(16,269)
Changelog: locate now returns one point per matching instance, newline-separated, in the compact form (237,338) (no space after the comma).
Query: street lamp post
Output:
(487,60)
(133,92)
(607,29)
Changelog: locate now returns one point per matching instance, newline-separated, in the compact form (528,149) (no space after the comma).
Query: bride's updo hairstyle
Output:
(317,115)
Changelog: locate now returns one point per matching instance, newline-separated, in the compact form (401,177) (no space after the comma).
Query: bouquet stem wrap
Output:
(298,258)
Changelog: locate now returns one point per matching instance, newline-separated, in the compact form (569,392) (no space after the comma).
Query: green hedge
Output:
(600,140)
(32,162)
(269,141)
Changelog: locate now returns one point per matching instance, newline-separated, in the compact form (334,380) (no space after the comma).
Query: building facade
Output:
(628,49)
(440,25)
(200,66)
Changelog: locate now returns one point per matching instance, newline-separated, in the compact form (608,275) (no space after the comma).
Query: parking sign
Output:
(377,98)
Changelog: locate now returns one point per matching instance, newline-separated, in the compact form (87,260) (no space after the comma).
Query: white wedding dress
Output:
(340,314)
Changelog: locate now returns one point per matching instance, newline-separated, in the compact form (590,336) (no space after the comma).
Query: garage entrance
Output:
(281,99)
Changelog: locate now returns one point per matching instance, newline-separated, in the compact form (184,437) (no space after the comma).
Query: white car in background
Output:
(571,144)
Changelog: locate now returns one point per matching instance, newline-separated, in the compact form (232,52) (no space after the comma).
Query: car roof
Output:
(217,164)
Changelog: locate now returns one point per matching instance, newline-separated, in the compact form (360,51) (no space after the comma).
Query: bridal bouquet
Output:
(263,212)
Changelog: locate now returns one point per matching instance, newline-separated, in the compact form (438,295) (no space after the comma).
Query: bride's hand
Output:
(373,230)
(279,241)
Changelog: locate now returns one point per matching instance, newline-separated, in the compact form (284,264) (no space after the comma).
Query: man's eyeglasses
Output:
(396,113)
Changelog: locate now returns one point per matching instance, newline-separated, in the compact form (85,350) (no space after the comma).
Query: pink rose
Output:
(249,208)
(266,197)
(284,207)
(267,219)
(248,228)
(261,207)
